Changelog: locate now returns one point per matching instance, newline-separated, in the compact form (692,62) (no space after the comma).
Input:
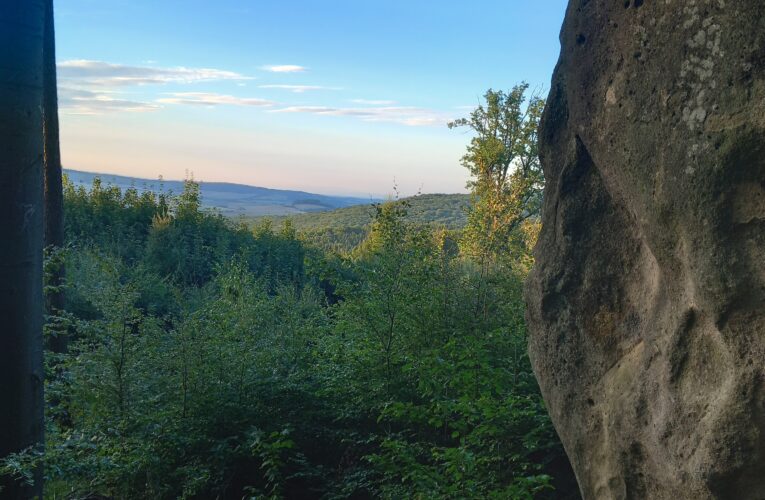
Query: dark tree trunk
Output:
(21,233)
(54,203)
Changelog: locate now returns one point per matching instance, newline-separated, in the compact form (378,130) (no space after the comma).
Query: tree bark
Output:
(21,227)
(54,202)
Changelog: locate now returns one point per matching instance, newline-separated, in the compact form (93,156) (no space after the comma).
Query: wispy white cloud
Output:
(99,73)
(298,89)
(285,68)
(212,99)
(85,102)
(95,87)
(374,102)
(410,116)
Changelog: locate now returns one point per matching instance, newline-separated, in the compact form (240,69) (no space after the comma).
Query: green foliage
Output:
(452,391)
(105,216)
(211,361)
(153,411)
(506,177)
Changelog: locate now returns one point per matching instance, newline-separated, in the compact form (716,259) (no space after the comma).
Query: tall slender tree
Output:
(21,227)
(54,198)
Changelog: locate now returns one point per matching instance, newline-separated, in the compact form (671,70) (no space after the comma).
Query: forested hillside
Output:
(344,228)
(443,210)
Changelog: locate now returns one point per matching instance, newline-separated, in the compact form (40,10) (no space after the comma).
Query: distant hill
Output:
(232,199)
(342,229)
(446,210)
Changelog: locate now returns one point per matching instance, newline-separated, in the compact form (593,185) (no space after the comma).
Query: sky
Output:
(334,96)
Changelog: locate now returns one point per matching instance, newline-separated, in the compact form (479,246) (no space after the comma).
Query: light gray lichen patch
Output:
(697,71)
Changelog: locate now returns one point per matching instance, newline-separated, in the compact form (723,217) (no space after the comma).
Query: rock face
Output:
(647,302)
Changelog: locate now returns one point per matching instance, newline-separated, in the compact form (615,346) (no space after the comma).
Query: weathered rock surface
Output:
(647,302)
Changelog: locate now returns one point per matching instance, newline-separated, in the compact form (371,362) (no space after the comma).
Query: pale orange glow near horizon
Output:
(307,160)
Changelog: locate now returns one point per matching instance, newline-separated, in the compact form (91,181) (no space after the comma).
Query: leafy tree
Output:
(506,177)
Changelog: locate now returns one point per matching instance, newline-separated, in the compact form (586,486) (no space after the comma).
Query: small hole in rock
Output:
(590,402)
(580,39)
(627,4)
(638,3)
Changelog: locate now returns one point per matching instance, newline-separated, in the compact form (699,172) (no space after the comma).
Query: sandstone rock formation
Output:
(647,302)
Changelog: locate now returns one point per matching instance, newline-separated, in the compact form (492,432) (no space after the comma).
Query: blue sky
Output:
(340,97)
